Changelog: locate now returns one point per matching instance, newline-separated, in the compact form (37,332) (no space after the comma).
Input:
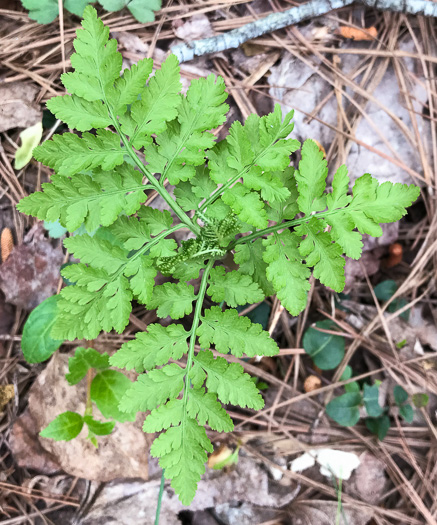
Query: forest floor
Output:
(370,101)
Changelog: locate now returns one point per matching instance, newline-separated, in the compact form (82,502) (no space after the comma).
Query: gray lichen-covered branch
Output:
(275,21)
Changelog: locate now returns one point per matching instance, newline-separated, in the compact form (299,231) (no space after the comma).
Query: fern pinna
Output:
(241,185)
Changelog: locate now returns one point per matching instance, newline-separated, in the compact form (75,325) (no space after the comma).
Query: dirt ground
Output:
(370,101)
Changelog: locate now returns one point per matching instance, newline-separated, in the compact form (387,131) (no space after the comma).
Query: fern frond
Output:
(233,333)
(152,348)
(227,380)
(93,201)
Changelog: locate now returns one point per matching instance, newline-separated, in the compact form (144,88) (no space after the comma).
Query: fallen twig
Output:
(275,21)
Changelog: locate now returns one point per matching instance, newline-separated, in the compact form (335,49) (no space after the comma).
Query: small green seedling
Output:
(345,409)
(137,133)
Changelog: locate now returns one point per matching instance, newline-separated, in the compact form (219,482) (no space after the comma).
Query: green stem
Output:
(183,217)
(280,226)
(197,312)
(158,505)
(89,403)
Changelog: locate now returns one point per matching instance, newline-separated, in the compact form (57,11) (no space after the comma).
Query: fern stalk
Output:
(182,216)
(197,313)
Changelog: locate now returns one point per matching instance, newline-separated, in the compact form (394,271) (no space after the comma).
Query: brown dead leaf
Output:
(7,392)
(369,481)
(353,33)
(198,26)
(26,448)
(325,513)
(18,108)
(31,272)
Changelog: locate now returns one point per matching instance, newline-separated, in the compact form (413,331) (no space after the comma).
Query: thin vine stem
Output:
(161,492)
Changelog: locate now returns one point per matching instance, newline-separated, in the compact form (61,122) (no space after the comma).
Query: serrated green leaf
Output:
(156,220)
(153,388)
(94,201)
(311,178)
(230,332)
(286,271)
(182,146)
(152,348)
(65,427)
(171,299)
(249,257)
(164,248)
(107,390)
(344,409)
(86,276)
(247,205)
(321,253)
(98,253)
(233,288)
(164,416)
(288,209)
(78,113)
(99,428)
(339,198)
(96,59)
(157,105)
(227,380)
(82,361)
(131,82)
(68,154)
(190,194)
(269,185)
(326,350)
(182,454)
(206,409)
(83,314)
(37,343)
(131,232)
(142,275)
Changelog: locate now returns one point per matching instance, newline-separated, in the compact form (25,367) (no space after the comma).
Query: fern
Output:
(222,190)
